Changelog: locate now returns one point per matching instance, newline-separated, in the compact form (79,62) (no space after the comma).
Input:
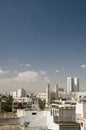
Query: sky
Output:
(41,42)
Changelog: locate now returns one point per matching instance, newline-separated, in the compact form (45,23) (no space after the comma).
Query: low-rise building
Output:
(22,103)
(80,96)
(63,111)
(42,96)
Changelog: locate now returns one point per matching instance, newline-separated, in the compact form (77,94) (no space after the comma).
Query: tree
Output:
(41,104)
(6,105)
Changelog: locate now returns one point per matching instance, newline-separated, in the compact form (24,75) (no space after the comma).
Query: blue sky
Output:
(48,35)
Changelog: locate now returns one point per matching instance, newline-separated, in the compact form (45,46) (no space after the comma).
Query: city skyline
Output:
(42,42)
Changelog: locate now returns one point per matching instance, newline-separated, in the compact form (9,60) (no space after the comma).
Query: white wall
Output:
(50,123)
(79,109)
(28,116)
(20,113)
(14,94)
(42,118)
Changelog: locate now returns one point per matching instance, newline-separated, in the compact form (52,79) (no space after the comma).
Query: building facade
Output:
(22,103)
(63,111)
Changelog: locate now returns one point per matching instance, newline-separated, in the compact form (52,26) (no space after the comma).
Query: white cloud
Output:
(15,71)
(46,78)
(27,79)
(83,66)
(3,72)
(57,71)
(42,72)
(28,65)
(30,76)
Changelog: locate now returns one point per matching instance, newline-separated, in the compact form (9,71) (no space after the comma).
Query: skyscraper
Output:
(72,84)
(76,83)
(48,95)
(56,91)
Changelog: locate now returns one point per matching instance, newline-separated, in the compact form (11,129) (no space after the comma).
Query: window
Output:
(15,103)
(82,124)
(34,113)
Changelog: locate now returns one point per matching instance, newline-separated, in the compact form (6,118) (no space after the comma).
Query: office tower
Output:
(48,95)
(14,94)
(21,93)
(56,91)
(76,83)
(72,84)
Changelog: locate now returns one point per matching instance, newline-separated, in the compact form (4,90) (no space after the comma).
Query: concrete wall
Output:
(68,115)
(11,127)
(7,115)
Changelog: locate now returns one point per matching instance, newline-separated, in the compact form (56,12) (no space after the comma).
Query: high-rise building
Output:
(72,84)
(56,91)
(21,92)
(14,94)
(76,83)
(48,95)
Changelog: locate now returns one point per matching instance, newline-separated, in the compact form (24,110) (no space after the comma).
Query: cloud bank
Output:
(25,79)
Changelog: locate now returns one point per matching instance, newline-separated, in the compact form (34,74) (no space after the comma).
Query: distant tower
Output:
(56,91)
(72,84)
(48,95)
(76,83)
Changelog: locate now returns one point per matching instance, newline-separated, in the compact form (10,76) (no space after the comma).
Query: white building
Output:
(46,120)
(76,84)
(56,91)
(70,84)
(14,94)
(81,115)
(21,93)
(79,110)
(48,95)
